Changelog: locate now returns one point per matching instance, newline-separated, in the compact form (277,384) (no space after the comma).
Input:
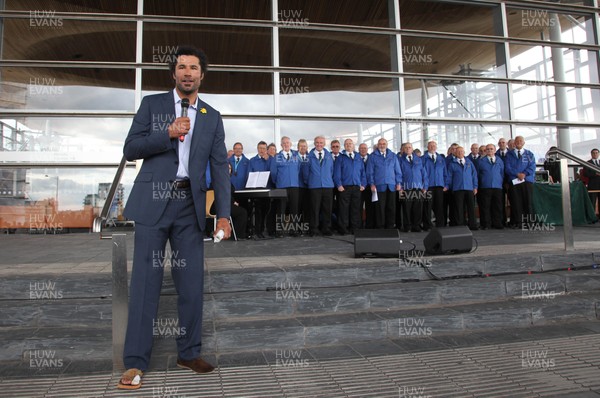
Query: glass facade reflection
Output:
(72,75)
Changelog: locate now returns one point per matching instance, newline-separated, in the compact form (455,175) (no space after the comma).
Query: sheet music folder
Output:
(258,179)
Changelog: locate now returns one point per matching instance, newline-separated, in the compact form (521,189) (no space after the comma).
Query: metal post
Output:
(119,299)
(566,205)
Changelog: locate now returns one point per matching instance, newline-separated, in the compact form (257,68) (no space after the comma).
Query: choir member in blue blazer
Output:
(491,180)
(304,198)
(318,176)
(501,153)
(240,167)
(474,155)
(448,197)
(415,183)
(520,168)
(384,177)
(261,162)
(285,173)
(462,181)
(435,167)
(350,179)
(365,200)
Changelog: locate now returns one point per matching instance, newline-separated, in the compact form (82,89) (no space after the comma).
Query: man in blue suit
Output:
(285,173)
(415,184)
(240,166)
(435,167)
(462,181)
(167,202)
(318,176)
(350,180)
(384,177)
(491,179)
(520,170)
(260,162)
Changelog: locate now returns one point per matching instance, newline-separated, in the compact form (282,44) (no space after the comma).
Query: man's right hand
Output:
(181,126)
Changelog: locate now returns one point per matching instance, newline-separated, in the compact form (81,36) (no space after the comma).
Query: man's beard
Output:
(186,91)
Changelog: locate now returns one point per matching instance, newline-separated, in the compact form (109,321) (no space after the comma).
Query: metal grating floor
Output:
(554,367)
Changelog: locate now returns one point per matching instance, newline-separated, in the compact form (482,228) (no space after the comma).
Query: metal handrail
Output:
(567,155)
(99,221)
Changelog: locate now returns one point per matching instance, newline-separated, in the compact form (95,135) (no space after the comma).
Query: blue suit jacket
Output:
(413,174)
(148,139)
(285,173)
(436,173)
(474,161)
(239,176)
(513,165)
(382,172)
(461,178)
(490,176)
(319,174)
(348,171)
(303,166)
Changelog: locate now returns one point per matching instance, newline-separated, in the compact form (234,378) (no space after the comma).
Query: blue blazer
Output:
(319,174)
(285,173)
(348,171)
(382,172)
(259,164)
(436,172)
(239,176)
(413,174)
(490,176)
(461,178)
(474,161)
(149,140)
(513,165)
(303,167)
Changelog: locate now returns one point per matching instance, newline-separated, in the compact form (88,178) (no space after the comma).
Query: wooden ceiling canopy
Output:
(231,45)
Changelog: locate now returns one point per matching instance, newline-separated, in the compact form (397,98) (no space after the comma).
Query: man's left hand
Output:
(223,223)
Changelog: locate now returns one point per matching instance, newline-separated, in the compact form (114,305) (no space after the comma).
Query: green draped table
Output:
(547,200)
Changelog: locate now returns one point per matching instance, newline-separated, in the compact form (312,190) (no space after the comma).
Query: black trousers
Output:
(385,209)
(239,217)
(413,209)
(434,202)
(304,204)
(449,204)
(288,206)
(461,199)
(521,202)
(261,208)
(321,200)
(349,208)
(369,207)
(490,207)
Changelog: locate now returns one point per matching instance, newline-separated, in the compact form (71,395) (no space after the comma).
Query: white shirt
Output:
(184,147)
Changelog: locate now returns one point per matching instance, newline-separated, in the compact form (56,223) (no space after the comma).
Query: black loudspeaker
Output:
(448,240)
(376,243)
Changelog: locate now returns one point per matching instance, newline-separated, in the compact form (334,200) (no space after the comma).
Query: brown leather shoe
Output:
(198,365)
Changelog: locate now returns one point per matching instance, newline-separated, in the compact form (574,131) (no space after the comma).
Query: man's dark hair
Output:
(261,143)
(189,50)
(595,149)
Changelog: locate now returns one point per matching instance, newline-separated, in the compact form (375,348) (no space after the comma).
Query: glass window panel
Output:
(67,89)
(73,40)
(359,132)
(348,12)
(447,17)
(67,139)
(55,200)
(463,99)
(249,132)
(451,57)
(235,9)
(322,93)
(334,50)
(462,134)
(536,24)
(223,45)
(88,6)
(228,92)
(534,63)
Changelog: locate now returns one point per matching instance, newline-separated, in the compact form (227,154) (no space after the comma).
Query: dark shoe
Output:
(474,228)
(198,365)
(416,230)
(327,232)
(499,227)
(343,231)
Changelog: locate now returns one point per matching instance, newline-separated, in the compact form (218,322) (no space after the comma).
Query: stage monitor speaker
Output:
(376,243)
(448,240)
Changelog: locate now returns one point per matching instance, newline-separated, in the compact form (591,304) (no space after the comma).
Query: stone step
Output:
(86,348)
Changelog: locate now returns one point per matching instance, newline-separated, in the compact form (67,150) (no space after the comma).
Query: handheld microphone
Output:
(185,104)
